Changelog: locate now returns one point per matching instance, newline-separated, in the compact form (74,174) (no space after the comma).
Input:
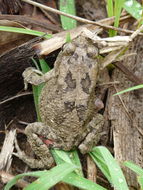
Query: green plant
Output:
(68,6)
(134,8)
(129,89)
(25,31)
(70,172)
(138,170)
(114,9)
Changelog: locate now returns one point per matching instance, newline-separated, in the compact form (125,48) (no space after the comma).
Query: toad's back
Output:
(67,100)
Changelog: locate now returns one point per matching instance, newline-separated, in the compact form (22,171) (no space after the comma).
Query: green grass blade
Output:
(37,89)
(44,66)
(76,178)
(114,9)
(36,92)
(52,177)
(68,37)
(16,178)
(70,157)
(65,156)
(24,31)
(117,178)
(75,160)
(110,13)
(81,182)
(138,170)
(100,162)
(140,180)
(35,63)
(57,173)
(110,8)
(134,8)
(68,6)
(117,13)
(130,89)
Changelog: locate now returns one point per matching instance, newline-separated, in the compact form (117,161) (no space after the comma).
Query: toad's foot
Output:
(36,77)
(31,162)
(40,149)
(95,128)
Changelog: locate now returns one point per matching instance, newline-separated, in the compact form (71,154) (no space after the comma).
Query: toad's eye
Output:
(92,51)
(69,49)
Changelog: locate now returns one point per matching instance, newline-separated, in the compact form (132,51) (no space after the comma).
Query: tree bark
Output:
(125,114)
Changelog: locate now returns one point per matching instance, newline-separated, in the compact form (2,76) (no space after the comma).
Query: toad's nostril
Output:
(92,51)
(69,49)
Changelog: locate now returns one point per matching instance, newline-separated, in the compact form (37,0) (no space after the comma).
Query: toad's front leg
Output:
(36,77)
(35,132)
(95,128)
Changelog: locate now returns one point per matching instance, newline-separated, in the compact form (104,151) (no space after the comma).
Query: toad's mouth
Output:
(48,142)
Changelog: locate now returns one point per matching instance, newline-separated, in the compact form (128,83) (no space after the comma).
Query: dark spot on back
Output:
(72,59)
(69,61)
(69,106)
(81,111)
(71,83)
(82,57)
(75,56)
(85,83)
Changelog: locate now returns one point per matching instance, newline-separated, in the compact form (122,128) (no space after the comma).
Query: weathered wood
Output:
(127,118)
(10,6)
(12,64)
(31,21)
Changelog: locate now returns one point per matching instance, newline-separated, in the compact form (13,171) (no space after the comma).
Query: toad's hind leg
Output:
(41,150)
(95,128)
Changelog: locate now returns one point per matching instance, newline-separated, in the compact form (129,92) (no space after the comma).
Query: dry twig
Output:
(6,177)
(14,97)
(99,23)
(7,150)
